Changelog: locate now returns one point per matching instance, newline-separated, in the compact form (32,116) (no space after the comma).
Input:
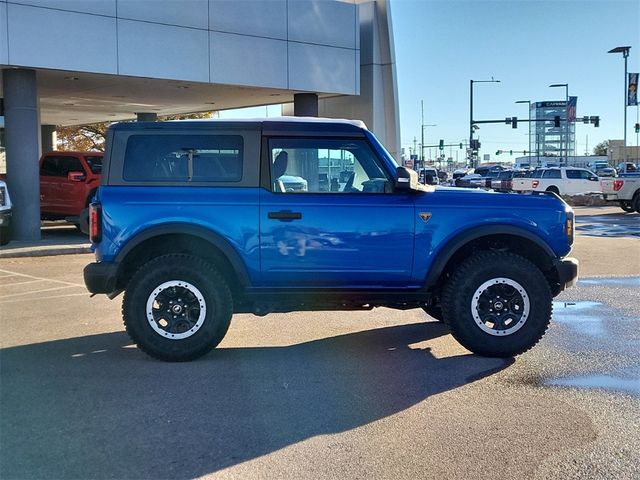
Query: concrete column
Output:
(146,117)
(305,105)
(48,133)
(22,135)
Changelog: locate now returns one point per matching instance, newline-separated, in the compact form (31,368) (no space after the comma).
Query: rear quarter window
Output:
(183,158)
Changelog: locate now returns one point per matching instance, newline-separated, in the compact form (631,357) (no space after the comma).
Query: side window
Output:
(69,164)
(325,166)
(537,173)
(586,174)
(94,162)
(183,158)
(553,173)
(50,167)
(574,174)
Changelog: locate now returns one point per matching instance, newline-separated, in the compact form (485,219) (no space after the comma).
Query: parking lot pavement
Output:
(313,395)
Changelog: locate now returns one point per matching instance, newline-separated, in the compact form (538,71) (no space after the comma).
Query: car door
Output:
(50,175)
(71,193)
(351,232)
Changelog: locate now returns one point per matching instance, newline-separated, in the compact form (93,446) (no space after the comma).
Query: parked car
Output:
(198,248)
(627,167)
(623,190)
(503,182)
(429,176)
(5,213)
(559,180)
(293,183)
(606,172)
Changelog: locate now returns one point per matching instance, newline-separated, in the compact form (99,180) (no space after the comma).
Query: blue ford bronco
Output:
(198,220)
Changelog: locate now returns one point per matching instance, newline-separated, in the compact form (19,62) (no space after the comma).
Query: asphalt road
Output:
(381,394)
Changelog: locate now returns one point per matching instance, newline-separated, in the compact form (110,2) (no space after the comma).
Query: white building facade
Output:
(71,62)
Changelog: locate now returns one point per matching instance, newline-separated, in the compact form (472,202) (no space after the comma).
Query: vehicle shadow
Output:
(96,407)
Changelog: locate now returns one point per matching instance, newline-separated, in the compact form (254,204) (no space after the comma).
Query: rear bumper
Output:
(567,272)
(101,277)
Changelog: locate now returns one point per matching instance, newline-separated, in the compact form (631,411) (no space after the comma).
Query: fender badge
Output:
(425,216)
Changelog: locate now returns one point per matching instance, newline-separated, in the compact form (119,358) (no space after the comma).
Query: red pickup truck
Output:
(68,181)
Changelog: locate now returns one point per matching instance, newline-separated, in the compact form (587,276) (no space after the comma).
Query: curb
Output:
(44,251)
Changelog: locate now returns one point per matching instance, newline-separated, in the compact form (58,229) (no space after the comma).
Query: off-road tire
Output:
(195,272)
(627,206)
(5,235)
(636,202)
(457,298)
(434,311)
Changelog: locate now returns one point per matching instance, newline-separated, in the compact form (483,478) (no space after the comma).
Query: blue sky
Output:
(527,44)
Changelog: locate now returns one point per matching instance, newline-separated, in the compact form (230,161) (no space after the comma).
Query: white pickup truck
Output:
(559,180)
(624,190)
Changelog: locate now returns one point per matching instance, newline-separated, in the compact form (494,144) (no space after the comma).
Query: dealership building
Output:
(74,62)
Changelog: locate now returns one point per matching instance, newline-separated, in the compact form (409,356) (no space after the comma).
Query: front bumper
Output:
(567,269)
(101,277)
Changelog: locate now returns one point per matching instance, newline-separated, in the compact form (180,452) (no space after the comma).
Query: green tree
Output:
(602,148)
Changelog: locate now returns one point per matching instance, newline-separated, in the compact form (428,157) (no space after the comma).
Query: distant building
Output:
(547,140)
(615,152)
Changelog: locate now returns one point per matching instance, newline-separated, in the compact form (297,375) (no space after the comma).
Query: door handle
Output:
(285,215)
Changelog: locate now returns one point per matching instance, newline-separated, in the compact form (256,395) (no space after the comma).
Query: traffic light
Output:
(637,127)
(556,121)
(441,146)
(461,144)
(596,121)
(510,152)
(498,152)
(514,122)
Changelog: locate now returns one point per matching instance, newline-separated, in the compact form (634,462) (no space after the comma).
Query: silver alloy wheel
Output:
(176,309)
(500,306)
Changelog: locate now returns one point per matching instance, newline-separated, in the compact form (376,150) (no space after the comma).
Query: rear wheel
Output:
(636,202)
(554,190)
(627,206)
(177,307)
(497,304)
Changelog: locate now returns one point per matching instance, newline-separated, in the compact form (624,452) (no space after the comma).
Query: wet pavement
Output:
(614,224)
(597,324)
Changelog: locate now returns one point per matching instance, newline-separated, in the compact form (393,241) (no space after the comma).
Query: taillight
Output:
(617,185)
(535,183)
(568,229)
(95,222)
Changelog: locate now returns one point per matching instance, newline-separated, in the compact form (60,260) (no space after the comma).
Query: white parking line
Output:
(44,298)
(11,274)
(37,291)
(22,283)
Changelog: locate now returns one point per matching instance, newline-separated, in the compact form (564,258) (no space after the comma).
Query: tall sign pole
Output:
(625,54)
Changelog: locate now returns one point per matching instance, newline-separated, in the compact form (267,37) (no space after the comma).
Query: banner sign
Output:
(571,109)
(632,92)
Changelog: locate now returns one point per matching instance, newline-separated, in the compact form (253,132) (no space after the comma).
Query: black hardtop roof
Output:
(272,125)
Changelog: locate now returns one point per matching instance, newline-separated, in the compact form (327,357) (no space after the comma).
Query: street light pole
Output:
(625,54)
(471,82)
(566,121)
(528,102)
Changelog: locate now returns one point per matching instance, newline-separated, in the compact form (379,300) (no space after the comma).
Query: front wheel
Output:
(177,308)
(497,304)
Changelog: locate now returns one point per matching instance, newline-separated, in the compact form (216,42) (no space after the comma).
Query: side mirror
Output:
(76,176)
(406,179)
(593,179)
